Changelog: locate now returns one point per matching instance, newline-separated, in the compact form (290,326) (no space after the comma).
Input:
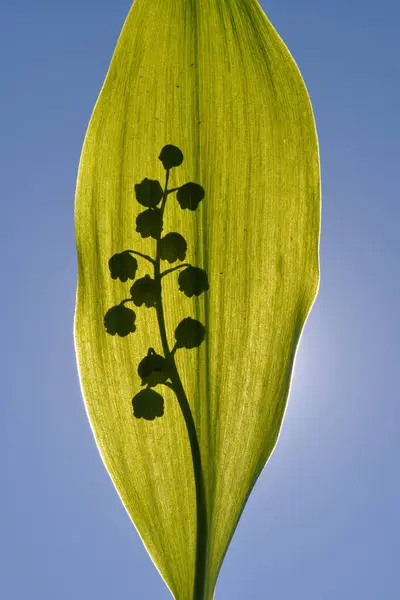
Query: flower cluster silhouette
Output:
(155,369)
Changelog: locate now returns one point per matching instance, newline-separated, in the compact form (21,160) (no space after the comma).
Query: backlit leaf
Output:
(213,82)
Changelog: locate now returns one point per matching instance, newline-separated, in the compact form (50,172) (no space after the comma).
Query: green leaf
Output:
(214,83)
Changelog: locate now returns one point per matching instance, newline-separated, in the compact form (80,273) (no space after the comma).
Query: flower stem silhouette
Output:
(155,369)
(177,387)
(174,269)
(145,256)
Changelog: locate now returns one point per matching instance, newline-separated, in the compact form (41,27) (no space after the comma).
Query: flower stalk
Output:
(155,369)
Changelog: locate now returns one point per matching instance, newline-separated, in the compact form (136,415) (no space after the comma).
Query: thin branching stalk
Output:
(155,369)
(177,387)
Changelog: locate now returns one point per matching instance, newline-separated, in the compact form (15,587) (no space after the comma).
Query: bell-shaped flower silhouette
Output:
(145,291)
(153,369)
(149,223)
(148,192)
(123,266)
(120,320)
(148,404)
(173,247)
(190,195)
(171,156)
(193,281)
(189,333)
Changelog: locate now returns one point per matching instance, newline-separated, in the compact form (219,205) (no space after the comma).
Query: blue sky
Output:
(322,522)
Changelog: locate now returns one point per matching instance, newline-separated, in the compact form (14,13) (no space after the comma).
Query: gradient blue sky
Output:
(323,520)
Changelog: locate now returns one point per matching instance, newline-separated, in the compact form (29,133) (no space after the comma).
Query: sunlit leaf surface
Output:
(213,79)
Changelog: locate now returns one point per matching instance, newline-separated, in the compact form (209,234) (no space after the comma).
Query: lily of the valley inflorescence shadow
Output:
(155,369)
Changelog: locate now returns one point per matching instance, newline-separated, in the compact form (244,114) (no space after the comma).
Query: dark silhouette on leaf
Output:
(149,192)
(145,291)
(120,320)
(173,247)
(193,281)
(190,195)
(149,223)
(171,156)
(153,369)
(148,404)
(189,333)
(123,266)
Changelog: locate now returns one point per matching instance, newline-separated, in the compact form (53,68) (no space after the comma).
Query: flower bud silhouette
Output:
(149,223)
(149,192)
(153,369)
(173,247)
(193,281)
(190,195)
(120,320)
(189,333)
(148,404)
(123,266)
(145,291)
(171,156)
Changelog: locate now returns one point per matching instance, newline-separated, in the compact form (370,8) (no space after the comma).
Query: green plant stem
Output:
(177,387)
(174,269)
(172,190)
(142,255)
